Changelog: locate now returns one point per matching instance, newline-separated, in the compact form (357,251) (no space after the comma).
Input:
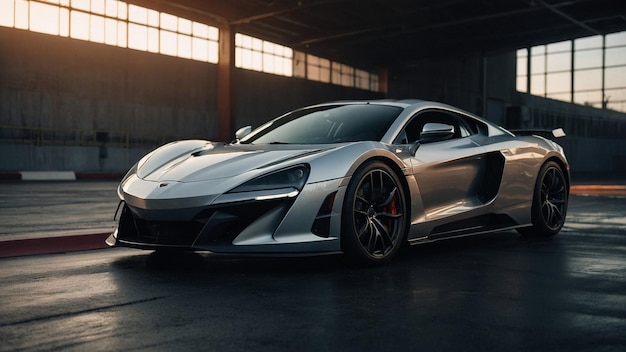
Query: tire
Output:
(374,218)
(550,199)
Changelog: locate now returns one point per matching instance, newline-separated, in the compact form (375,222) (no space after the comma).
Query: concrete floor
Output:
(496,292)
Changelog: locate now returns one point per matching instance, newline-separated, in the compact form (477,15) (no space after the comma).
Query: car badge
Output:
(163,184)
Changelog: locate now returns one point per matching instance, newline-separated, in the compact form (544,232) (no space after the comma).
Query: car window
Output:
(327,124)
(412,130)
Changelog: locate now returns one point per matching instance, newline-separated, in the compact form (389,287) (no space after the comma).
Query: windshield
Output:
(327,124)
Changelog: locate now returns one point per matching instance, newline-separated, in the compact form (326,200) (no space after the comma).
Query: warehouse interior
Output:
(92,85)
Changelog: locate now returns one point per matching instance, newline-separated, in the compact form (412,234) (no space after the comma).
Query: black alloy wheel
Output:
(375,214)
(550,200)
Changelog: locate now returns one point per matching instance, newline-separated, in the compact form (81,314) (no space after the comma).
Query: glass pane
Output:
(559,62)
(153,18)
(558,82)
(214,33)
(137,36)
(616,39)
(615,77)
(257,61)
(110,31)
(96,27)
(565,46)
(559,96)
(257,44)
(97,6)
(138,14)
(184,26)
(537,64)
(79,26)
(616,99)
(588,59)
(111,8)
(521,65)
(64,22)
(268,63)
(593,98)
(537,85)
(184,46)
(238,39)
(238,58)
(200,49)
(299,64)
(313,73)
(21,14)
(587,80)
(81,5)
(538,50)
(213,52)
(588,43)
(121,34)
(122,10)
(325,74)
(169,22)
(615,56)
(168,42)
(200,30)
(44,18)
(521,84)
(8,13)
(153,40)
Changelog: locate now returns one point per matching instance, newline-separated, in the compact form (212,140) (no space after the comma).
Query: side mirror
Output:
(242,132)
(435,132)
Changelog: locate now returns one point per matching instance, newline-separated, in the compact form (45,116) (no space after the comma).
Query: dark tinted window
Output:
(328,124)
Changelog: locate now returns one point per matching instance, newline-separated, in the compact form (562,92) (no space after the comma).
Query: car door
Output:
(448,170)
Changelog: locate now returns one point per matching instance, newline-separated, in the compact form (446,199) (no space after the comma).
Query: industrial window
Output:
(260,55)
(587,71)
(114,23)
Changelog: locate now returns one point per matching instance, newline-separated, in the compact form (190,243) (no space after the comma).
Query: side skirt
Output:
(475,226)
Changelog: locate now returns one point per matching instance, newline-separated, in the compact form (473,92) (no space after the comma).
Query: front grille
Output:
(211,225)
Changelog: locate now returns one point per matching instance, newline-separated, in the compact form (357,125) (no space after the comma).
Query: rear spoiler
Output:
(555,133)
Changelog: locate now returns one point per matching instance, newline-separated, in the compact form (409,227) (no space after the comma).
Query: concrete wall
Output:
(29,157)
(258,97)
(455,81)
(62,83)
(67,104)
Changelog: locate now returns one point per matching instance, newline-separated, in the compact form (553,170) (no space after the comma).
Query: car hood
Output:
(193,161)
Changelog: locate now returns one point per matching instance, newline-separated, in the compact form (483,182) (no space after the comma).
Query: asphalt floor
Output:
(40,217)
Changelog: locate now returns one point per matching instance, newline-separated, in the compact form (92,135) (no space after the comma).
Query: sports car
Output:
(361,178)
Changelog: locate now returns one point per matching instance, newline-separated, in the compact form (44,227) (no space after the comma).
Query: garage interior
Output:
(73,102)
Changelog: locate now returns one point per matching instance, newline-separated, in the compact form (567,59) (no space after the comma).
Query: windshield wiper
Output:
(277,142)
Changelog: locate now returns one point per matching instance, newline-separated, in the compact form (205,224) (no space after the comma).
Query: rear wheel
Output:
(374,214)
(550,199)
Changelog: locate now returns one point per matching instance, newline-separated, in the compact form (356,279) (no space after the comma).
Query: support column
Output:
(224,84)
(383,81)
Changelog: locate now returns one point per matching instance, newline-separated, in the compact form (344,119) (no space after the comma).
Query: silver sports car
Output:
(361,178)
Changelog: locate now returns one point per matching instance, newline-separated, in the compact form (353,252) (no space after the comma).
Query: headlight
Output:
(293,177)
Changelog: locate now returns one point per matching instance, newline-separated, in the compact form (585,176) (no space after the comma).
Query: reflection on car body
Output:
(358,177)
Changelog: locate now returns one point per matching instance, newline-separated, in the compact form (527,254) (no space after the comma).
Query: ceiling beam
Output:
(569,18)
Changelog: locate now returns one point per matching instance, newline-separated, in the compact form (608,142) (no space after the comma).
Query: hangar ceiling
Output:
(385,32)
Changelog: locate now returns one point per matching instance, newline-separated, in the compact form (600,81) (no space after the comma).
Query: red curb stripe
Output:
(598,190)
(49,245)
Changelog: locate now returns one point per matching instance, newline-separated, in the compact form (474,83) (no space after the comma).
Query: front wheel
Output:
(550,199)
(374,214)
